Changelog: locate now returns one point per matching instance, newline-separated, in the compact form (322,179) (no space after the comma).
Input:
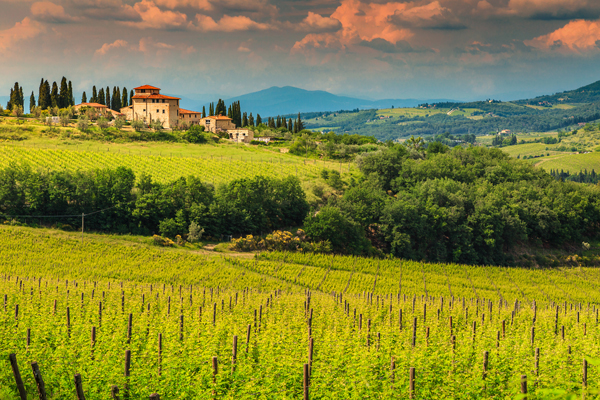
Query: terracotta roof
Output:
(221,117)
(146,87)
(154,96)
(95,105)
(182,111)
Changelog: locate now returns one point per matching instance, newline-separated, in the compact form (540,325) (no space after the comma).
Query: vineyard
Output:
(165,168)
(139,319)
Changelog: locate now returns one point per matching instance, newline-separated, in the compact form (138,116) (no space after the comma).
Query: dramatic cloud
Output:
(577,36)
(155,18)
(178,4)
(429,16)
(26,29)
(106,47)
(384,46)
(360,21)
(317,23)
(229,24)
(50,12)
(542,9)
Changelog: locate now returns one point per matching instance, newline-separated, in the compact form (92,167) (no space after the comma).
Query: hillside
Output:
(585,94)
(291,100)
(187,323)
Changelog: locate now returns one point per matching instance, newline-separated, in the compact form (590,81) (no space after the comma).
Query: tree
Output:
(64,99)
(245,120)
(299,124)
(331,224)
(211,109)
(40,90)
(203,112)
(107,94)
(250,120)
(124,98)
(17,111)
(119,122)
(102,123)
(131,97)
(195,232)
(31,102)
(54,96)
(83,123)
(44,99)
(258,120)
(137,125)
(290,126)
(84,98)
(157,125)
(71,98)
(94,98)
(101,99)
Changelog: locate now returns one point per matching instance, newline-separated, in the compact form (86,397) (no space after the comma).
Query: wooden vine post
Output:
(306,381)
(79,387)
(411,383)
(38,380)
(15,368)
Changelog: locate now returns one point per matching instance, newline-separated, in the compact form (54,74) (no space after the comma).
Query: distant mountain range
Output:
(290,100)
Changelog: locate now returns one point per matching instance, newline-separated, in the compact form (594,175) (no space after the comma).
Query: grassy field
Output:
(165,161)
(358,324)
(426,112)
(572,162)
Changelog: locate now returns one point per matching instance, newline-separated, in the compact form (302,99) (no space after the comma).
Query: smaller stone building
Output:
(241,135)
(99,108)
(216,124)
(189,117)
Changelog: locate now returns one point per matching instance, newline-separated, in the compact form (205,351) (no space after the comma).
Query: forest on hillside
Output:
(465,205)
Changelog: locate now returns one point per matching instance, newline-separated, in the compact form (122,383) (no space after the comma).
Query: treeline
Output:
(142,206)
(116,101)
(580,177)
(464,205)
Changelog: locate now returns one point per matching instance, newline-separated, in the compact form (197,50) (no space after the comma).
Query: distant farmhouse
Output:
(149,105)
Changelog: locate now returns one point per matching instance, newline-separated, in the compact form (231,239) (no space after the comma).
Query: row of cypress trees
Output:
(119,99)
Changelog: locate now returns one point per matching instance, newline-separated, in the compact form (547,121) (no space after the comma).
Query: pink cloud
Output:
(577,36)
(360,21)
(154,17)
(541,9)
(317,23)
(26,29)
(50,12)
(106,47)
(229,24)
(196,4)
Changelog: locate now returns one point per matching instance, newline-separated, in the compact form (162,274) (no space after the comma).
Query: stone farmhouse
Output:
(149,105)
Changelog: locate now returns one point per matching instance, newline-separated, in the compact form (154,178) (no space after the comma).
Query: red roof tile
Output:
(154,96)
(182,111)
(95,105)
(221,117)
(146,87)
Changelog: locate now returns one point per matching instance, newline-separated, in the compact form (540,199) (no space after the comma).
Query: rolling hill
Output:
(290,100)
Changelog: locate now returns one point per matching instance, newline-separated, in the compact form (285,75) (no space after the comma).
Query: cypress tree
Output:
(94,98)
(54,96)
(71,98)
(44,96)
(230,113)
(84,98)
(21,97)
(9,104)
(278,123)
(250,120)
(245,120)
(211,109)
(300,124)
(31,102)
(124,102)
(131,97)
(203,112)
(101,99)
(290,126)
(284,123)
(118,102)
(41,89)
(107,94)
(63,98)
(258,120)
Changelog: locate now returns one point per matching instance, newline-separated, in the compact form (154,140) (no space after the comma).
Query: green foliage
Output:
(472,205)
(332,225)
(196,134)
(195,232)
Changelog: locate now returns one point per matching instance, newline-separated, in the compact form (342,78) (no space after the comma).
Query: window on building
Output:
(163,100)
(163,111)
(157,111)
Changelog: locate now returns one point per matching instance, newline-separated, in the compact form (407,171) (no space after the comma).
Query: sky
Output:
(203,49)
